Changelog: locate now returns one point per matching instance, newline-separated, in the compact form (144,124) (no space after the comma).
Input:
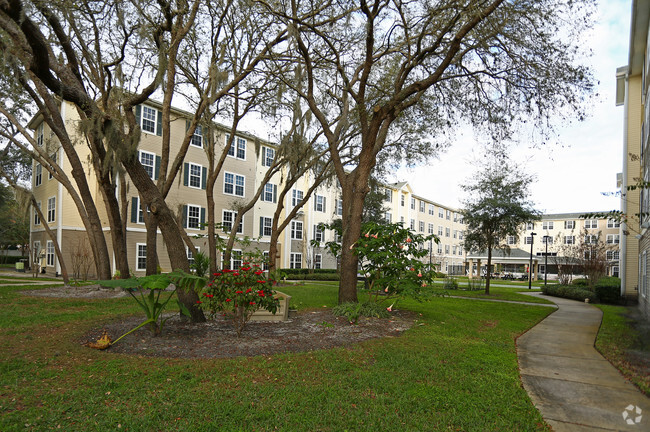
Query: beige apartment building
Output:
(632,93)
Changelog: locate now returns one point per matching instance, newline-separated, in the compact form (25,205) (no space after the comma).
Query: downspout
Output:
(623,227)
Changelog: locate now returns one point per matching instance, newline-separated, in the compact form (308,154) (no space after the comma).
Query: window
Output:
(547,225)
(148,119)
(296,197)
(38,175)
(432,209)
(402,200)
(460,249)
(296,230)
(319,203)
(137,215)
(270,193)
(53,157)
(447,232)
(440,231)
(612,223)
(318,261)
(421,226)
(455,233)
(511,240)
(194,175)
(51,209)
(268,154)
(460,235)
(388,194)
(529,240)
(593,223)
(318,234)
(401,219)
(148,162)
(40,134)
(267,260)
(194,217)
(569,224)
(591,239)
(612,255)
(339,207)
(37,219)
(412,224)
(455,217)
(530,226)
(441,212)
(141,256)
(412,203)
(265,226)
(569,239)
(197,138)
(613,239)
(37,250)
(296,261)
(439,248)
(235,260)
(422,206)
(190,254)
(233,184)
(430,228)
(615,271)
(388,217)
(453,250)
(447,249)
(229,217)
(547,239)
(238,148)
(49,253)
(448,214)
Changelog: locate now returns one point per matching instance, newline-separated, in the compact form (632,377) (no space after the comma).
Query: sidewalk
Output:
(572,385)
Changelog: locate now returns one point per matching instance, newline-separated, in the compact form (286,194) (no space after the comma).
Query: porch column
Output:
(471,268)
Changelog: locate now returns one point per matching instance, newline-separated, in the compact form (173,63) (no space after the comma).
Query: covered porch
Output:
(513,262)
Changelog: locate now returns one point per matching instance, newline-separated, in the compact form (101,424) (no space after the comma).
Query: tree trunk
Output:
(152,244)
(118,234)
(354,193)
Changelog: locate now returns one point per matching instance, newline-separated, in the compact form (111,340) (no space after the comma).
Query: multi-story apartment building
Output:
(633,82)
(428,217)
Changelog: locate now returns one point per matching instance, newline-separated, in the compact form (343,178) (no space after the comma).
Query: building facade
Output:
(632,94)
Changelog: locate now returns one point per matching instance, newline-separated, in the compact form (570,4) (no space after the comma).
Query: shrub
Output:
(353,311)
(581,282)
(608,290)
(322,277)
(476,284)
(574,293)
(450,283)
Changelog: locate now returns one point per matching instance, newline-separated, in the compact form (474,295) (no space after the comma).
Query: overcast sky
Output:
(571,176)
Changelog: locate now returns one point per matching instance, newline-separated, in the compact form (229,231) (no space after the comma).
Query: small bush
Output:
(476,284)
(450,283)
(581,282)
(353,311)
(322,277)
(574,293)
(608,290)
(12,259)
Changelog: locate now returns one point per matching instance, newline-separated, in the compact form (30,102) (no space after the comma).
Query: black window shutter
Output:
(186,173)
(159,123)
(324,205)
(134,209)
(202,216)
(184,216)
(138,109)
(261,225)
(275,194)
(204,177)
(156,171)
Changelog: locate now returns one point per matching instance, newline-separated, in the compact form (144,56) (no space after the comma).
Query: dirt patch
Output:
(304,331)
(86,291)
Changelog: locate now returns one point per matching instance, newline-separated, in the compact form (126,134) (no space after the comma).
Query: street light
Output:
(530,267)
(546,238)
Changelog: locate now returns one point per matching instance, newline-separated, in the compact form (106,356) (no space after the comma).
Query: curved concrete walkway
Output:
(572,385)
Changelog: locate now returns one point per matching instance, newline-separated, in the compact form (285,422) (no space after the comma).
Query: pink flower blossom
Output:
(408,240)
(390,308)
(419,274)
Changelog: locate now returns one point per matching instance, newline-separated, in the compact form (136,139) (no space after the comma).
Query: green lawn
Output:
(616,336)
(456,369)
(501,293)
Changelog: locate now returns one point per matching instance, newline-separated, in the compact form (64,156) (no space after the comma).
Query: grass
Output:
(456,369)
(617,337)
(501,293)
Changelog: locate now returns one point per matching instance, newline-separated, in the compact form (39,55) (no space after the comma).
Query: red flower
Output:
(252,303)
(239,292)
(261,281)
(235,273)
(249,290)
(261,293)
(408,240)
(218,274)
(228,300)
(245,263)
(199,302)
(259,272)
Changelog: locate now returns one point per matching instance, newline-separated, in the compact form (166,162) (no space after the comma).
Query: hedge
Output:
(608,290)
(11,259)
(570,292)
(306,271)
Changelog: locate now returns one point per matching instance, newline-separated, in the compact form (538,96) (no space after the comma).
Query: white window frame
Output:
(318,234)
(147,166)
(295,260)
(339,207)
(197,137)
(430,228)
(139,257)
(37,218)
(591,223)
(231,179)
(412,203)
(421,226)
(388,194)
(40,134)
(193,222)
(432,209)
(267,193)
(388,217)
(447,231)
(38,175)
(233,215)
(441,212)
(547,225)
(569,239)
(448,214)
(190,254)
(193,176)
(264,220)
(613,239)
(236,259)
(49,253)
(591,239)
(511,240)
(439,231)
(423,206)
(296,230)
(238,148)
(268,155)
(403,200)
(611,223)
(569,224)
(528,240)
(318,261)
(319,203)
(296,196)
(145,120)
(51,209)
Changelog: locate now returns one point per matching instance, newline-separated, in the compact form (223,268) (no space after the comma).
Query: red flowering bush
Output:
(238,294)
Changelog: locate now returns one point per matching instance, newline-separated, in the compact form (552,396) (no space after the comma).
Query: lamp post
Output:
(546,239)
(530,266)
